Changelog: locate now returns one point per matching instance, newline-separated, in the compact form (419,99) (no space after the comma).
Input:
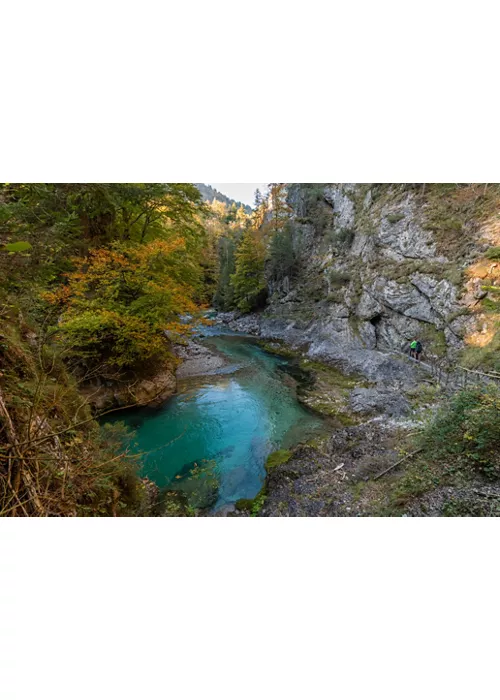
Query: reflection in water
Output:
(231,421)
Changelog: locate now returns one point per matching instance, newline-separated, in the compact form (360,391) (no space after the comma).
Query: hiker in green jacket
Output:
(415,349)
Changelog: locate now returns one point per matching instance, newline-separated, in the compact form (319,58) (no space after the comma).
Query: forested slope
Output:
(210,194)
(94,279)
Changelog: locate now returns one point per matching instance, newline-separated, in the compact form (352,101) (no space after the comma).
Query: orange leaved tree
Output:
(117,305)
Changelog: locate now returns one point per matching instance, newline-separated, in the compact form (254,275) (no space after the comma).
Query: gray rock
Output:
(404,237)
(378,401)
(198,360)
(441,294)
(368,335)
(342,204)
(246,324)
(227,316)
(368,307)
(404,298)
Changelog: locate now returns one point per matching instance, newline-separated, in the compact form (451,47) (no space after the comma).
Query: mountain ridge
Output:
(209,193)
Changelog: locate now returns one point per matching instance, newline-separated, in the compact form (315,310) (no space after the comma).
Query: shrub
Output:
(493,253)
(486,358)
(492,305)
(468,429)
(338,279)
(346,236)
(252,505)
(107,336)
(394,218)
(55,460)
(471,507)
(317,210)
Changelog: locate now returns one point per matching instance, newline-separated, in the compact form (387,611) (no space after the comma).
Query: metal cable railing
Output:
(449,375)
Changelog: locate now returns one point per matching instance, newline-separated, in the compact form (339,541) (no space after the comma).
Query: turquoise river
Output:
(218,430)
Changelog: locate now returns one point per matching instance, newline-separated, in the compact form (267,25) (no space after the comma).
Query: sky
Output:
(239,191)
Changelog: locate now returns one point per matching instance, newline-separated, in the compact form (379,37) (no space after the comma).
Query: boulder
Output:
(376,400)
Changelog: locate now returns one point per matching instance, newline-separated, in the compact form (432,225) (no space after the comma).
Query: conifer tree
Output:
(282,256)
(280,211)
(242,218)
(259,213)
(224,294)
(248,281)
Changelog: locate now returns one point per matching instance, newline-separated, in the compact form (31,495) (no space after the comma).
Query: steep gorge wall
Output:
(379,265)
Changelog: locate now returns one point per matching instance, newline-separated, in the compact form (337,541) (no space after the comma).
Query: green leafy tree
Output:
(63,220)
(116,306)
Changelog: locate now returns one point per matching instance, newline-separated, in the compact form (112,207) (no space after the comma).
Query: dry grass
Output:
(54,458)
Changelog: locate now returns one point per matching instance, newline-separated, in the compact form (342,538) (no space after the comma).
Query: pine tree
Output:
(242,218)
(224,294)
(259,213)
(282,256)
(280,211)
(248,281)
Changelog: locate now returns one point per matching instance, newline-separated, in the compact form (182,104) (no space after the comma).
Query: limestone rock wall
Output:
(378,267)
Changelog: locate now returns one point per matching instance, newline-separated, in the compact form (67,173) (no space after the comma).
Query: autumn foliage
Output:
(117,304)
(104,274)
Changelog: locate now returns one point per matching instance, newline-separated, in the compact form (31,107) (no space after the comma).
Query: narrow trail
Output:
(452,376)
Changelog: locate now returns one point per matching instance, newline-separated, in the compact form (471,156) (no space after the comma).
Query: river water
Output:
(216,433)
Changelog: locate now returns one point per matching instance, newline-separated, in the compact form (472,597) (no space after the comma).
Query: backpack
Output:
(418,346)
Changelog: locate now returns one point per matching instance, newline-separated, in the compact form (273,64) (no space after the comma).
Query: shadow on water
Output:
(218,430)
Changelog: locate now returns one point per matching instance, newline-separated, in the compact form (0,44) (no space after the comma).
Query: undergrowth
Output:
(54,457)
(460,448)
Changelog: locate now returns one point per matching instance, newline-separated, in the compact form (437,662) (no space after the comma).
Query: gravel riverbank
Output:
(198,360)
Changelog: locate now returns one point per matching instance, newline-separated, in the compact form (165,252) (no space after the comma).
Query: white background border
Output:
(244,92)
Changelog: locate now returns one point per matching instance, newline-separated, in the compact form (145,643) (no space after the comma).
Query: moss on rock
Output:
(277,458)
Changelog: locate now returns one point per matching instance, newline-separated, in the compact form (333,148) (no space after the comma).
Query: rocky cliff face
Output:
(380,265)
(383,270)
